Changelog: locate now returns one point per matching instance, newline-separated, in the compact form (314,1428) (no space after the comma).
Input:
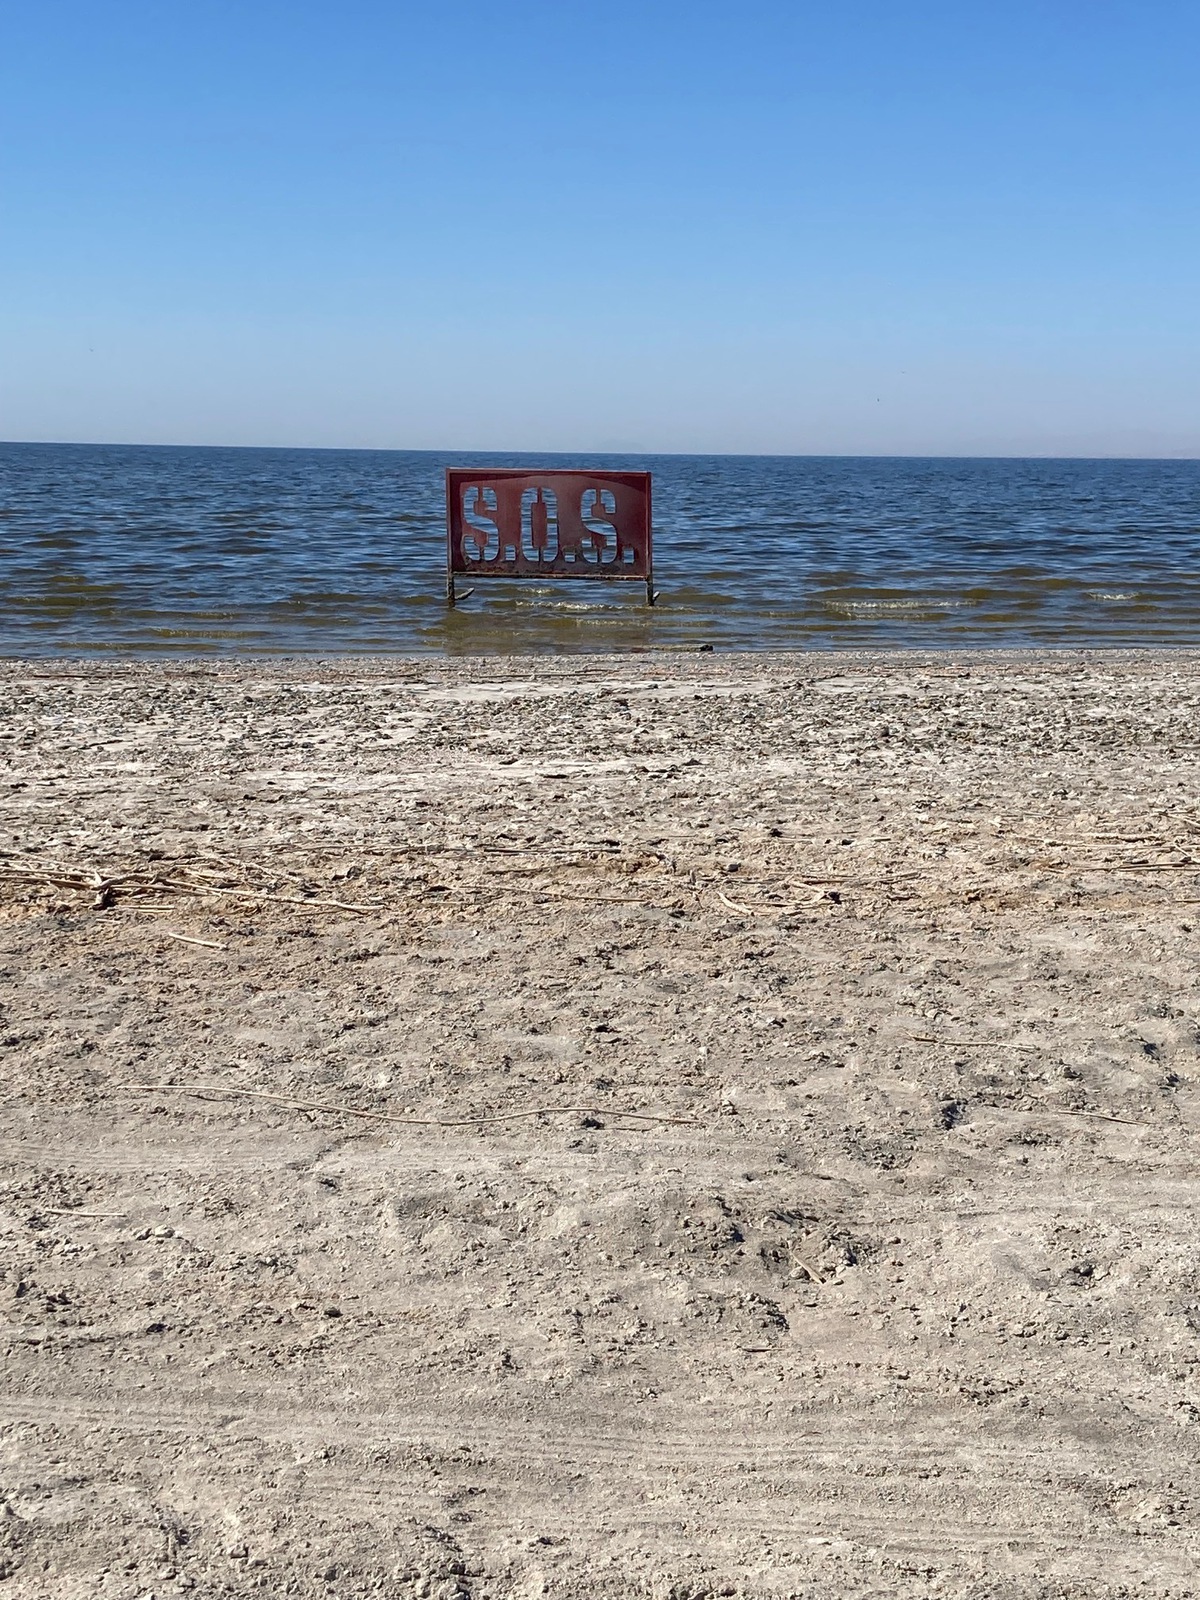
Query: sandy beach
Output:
(666,1126)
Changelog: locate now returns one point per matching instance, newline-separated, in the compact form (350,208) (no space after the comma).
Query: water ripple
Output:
(140,549)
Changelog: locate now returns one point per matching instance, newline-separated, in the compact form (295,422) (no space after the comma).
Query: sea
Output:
(115,550)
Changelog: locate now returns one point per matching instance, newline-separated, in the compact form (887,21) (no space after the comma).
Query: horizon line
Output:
(761,455)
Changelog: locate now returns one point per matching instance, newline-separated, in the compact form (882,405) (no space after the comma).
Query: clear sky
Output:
(852,226)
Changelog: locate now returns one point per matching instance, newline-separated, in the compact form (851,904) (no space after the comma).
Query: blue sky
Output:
(860,227)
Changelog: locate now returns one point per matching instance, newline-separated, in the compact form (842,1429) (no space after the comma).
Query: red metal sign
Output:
(511,523)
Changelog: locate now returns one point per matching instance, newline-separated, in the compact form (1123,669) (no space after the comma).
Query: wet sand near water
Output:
(660,1126)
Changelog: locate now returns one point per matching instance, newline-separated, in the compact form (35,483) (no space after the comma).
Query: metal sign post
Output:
(511,523)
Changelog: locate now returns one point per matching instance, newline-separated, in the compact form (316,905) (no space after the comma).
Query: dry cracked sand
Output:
(899,1297)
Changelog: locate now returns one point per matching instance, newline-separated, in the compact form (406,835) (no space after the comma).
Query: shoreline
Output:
(906,941)
(900,655)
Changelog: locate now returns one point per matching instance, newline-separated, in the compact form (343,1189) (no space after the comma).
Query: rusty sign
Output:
(512,523)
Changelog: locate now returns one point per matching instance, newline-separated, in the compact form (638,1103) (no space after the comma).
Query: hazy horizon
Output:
(491,450)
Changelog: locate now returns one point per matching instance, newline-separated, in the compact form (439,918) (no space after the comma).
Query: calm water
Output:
(113,548)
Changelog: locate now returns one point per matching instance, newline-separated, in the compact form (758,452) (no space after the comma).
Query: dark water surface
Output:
(149,549)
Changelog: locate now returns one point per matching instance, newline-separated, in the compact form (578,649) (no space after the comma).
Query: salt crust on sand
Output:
(909,1305)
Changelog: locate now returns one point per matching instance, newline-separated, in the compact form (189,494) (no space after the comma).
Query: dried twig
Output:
(1103,1116)
(599,899)
(209,944)
(59,879)
(506,849)
(975,1044)
(542,893)
(261,894)
(386,1116)
(760,910)
(124,885)
(1116,866)
(77,1211)
(1060,1111)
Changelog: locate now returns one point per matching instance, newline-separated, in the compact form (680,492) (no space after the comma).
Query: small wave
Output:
(877,608)
(117,547)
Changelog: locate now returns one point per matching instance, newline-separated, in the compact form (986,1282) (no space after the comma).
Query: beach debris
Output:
(107,891)
(183,938)
(239,1091)
(975,1044)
